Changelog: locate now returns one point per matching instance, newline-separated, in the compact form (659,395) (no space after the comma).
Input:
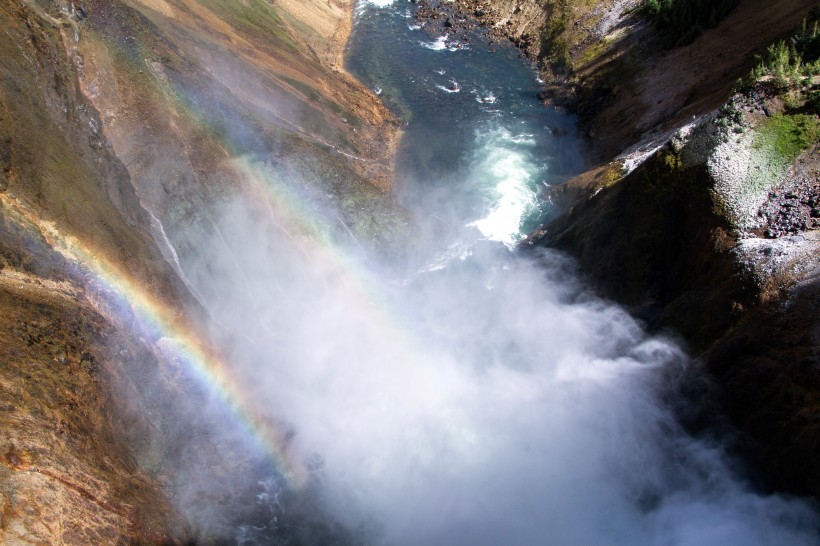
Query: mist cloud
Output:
(491,401)
(474,396)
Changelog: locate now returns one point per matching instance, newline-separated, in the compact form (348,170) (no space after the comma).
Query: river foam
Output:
(504,167)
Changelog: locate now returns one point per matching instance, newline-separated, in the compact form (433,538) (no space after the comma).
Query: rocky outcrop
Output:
(687,238)
(68,474)
(712,236)
(768,368)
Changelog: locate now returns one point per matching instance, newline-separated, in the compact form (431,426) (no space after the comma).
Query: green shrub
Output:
(807,41)
(791,63)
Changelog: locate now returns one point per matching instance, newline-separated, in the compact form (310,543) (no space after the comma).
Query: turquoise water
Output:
(480,148)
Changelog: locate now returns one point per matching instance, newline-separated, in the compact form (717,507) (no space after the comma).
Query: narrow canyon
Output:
(309,272)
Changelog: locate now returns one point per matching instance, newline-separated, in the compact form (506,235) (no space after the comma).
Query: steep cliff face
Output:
(121,125)
(67,475)
(704,241)
(67,472)
(185,89)
(696,218)
(715,235)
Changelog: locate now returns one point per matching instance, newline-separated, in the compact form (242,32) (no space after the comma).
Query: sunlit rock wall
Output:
(121,124)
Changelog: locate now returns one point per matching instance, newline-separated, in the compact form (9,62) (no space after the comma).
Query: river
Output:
(479,147)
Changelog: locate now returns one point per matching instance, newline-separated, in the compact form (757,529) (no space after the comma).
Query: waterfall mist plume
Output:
(491,400)
(462,394)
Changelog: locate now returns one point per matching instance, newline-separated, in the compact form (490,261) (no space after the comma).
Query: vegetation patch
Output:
(554,43)
(253,18)
(791,66)
(594,51)
(789,135)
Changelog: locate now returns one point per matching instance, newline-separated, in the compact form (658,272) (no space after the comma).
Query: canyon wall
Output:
(694,217)
(122,124)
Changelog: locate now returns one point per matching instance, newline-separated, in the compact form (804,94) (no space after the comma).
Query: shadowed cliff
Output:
(702,216)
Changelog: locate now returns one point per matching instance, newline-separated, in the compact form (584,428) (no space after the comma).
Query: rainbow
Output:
(114,288)
(113,291)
